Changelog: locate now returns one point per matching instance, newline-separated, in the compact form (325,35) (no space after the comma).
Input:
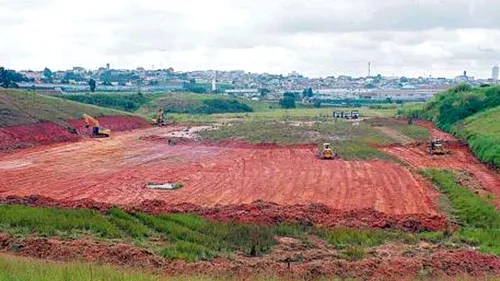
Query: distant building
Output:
(214,82)
(494,74)
(108,66)
(464,78)
(248,93)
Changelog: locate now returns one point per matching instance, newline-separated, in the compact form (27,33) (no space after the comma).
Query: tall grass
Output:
(20,269)
(195,238)
(48,221)
(350,237)
(479,218)
(127,223)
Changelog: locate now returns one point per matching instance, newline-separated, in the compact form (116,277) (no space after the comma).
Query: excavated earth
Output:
(234,181)
(292,259)
(43,133)
(217,176)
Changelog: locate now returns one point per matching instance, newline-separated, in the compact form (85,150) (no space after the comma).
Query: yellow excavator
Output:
(326,152)
(97,132)
(160,119)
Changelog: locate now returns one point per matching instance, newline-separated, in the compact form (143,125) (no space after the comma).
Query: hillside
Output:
(482,132)
(20,108)
(28,119)
(471,114)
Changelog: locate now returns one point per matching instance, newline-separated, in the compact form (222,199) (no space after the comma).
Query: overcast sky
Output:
(313,37)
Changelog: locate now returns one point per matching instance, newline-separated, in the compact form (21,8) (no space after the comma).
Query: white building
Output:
(494,74)
(248,93)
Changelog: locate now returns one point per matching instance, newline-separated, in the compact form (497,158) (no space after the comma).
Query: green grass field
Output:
(20,107)
(350,139)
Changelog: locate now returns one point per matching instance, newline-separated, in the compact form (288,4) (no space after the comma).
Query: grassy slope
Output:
(18,108)
(482,132)
(472,114)
(479,219)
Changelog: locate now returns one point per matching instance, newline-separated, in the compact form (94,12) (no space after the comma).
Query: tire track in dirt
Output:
(116,170)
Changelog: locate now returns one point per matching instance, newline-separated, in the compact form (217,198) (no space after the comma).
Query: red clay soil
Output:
(114,123)
(43,133)
(22,136)
(318,261)
(116,170)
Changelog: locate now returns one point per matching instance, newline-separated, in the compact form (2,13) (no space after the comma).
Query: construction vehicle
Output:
(437,147)
(97,132)
(326,152)
(160,119)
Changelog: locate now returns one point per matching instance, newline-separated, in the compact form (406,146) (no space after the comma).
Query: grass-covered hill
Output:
(472,114)
(482,132)
(20,108)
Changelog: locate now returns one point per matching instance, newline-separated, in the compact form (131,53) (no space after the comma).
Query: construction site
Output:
(363,174)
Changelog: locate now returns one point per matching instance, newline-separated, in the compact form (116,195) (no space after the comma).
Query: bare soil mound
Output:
(45,133)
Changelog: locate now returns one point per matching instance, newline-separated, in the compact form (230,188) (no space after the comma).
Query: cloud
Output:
(315,37)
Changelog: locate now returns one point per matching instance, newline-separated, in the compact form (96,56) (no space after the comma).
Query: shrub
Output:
(127,102)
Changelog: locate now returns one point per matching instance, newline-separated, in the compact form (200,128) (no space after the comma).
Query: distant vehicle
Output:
(437,147)
(355,114)
(326,152)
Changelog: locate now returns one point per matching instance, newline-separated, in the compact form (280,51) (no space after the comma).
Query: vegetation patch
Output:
(352,237)
(479,219)
(126,102)
(482,132)
(350,140)
(48,221)
(22,269)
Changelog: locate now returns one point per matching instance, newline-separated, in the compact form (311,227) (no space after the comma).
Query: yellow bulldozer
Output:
(327,152)
(437,147)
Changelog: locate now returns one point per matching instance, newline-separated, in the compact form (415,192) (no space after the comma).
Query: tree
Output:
(317,104)
(92,85)
(308,93)
(288,100)
(264,92)
(47,74)
(9,78)
(388,100)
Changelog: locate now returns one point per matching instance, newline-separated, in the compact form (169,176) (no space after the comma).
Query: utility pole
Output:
(369,69)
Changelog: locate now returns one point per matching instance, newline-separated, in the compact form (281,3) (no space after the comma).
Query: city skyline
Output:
(315,38)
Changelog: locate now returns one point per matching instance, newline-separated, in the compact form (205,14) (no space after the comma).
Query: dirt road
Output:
(460,159)
(116,170)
